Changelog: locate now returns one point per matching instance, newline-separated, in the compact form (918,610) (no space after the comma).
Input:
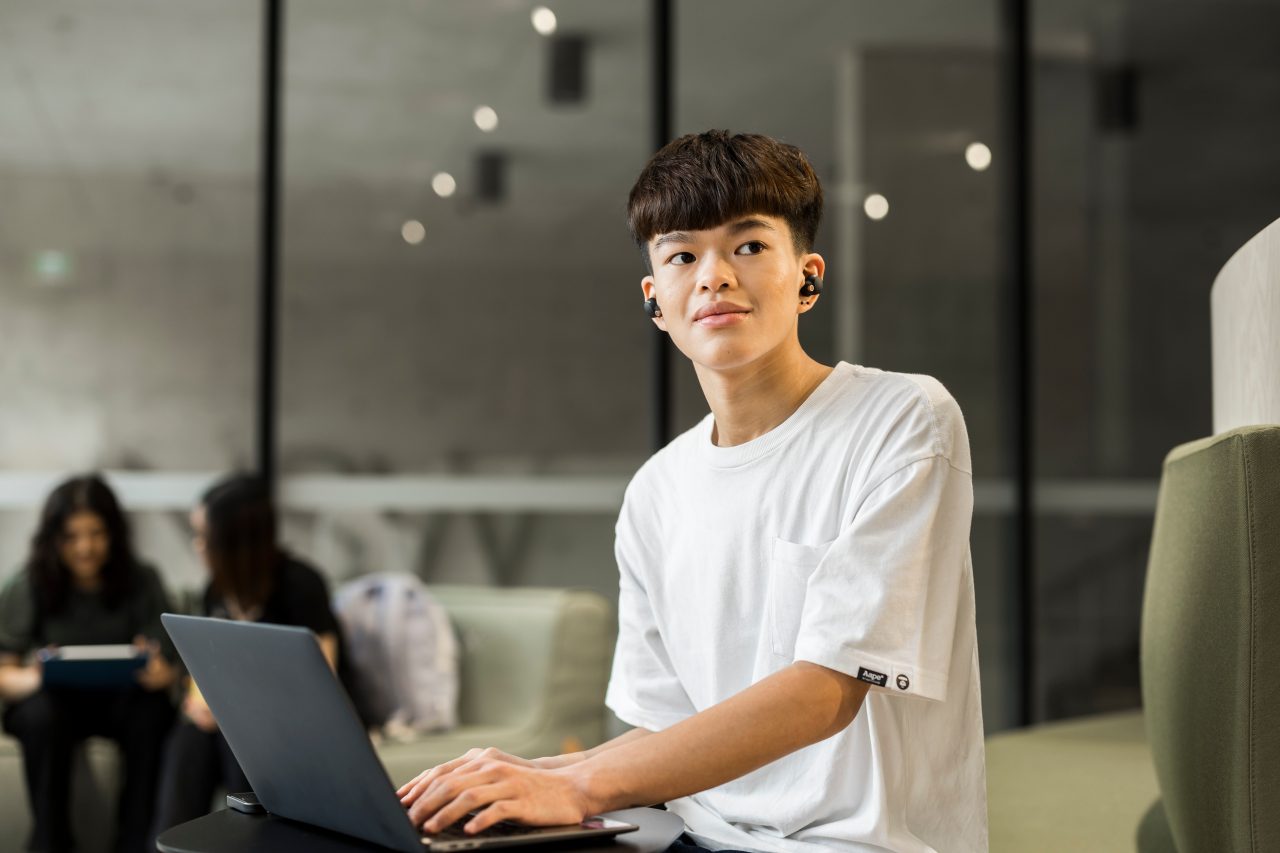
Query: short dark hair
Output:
(704,180)
(240,539)
(49,575)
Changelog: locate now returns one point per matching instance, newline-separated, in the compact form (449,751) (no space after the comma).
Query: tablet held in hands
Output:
(92,666)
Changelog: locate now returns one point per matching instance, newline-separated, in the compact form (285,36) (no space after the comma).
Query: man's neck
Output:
(749,401)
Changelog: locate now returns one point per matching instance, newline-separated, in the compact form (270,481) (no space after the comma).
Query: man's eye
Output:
(751,247)
(681,258)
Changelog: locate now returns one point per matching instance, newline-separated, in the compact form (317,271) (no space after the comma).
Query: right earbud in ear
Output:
(651,308)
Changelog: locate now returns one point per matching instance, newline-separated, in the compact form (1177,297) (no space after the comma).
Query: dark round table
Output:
(227,831)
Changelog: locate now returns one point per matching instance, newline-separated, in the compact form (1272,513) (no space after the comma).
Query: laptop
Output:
(297,737)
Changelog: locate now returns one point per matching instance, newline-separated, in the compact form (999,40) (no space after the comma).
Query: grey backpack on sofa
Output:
(402,651)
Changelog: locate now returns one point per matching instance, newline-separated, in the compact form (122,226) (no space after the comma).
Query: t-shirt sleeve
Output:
(881,605)
(17,615)
(308,597)
(644,690)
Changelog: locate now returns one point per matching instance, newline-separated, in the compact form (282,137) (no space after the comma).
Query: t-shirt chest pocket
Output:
(790,567)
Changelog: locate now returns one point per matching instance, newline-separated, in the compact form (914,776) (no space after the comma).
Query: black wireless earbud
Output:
(812,286)
(651,307)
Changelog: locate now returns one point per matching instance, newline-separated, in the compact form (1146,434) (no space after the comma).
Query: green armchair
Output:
(1211,642)
(1199,768)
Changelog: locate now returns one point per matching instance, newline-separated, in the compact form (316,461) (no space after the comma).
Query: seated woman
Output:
(82,585)
(253,580)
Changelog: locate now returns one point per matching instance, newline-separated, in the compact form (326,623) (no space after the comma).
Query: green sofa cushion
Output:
(1070,787)
(1210,642)
(534,667)
(510,639)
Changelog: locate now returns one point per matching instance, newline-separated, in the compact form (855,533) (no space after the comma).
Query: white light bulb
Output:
(876,206)
(978,156)
(486,119)
(443,184)
(544,20)
(413,231)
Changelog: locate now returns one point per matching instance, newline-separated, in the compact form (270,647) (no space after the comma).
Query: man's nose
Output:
(715,275)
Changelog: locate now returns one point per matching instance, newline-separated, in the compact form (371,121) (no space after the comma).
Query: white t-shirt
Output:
(840,537)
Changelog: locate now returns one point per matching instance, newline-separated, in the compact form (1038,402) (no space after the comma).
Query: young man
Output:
(796,643)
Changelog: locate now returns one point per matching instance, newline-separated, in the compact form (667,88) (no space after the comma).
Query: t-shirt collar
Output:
(747,452)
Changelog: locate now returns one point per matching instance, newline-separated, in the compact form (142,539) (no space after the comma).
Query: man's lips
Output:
(712,309)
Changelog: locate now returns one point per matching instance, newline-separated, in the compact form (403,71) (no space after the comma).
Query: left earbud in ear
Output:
(651,308)
(812,286)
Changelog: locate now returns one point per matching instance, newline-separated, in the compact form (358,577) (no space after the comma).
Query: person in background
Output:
(83,585)
(251,579)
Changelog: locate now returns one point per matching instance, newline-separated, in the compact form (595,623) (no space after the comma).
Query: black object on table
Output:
(227,831)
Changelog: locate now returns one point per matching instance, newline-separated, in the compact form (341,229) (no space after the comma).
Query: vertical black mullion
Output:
(1016,82)
(268,238)
(660,358)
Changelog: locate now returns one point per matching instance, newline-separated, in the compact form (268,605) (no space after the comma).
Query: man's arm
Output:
(798,706)
(554,761)
(791,709)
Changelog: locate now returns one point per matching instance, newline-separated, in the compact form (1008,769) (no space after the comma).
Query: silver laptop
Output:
(298,739)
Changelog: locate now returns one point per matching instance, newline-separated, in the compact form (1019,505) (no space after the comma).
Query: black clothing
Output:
(52,721)
(197,762)
(86,619)
(298,596)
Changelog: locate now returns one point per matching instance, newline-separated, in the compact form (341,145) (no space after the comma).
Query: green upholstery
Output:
(1198,771)
(1068,787)
(1211,642)
(511,638)
(535,663)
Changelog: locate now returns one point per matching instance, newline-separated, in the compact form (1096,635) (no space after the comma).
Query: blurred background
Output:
(434,339)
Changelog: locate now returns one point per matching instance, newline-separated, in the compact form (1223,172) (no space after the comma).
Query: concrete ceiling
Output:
(377,87)
(135,124)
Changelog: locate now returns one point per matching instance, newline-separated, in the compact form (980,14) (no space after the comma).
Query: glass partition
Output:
(464,369)
(899,114)
(128,173)
(1152,165)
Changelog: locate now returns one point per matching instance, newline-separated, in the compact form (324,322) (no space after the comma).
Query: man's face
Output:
(730,295)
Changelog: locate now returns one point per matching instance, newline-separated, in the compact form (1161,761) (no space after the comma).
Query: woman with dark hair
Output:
(251,579)
(82,585)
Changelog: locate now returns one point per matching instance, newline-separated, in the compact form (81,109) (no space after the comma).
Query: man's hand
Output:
(498,787)
(413,789)
(158,673)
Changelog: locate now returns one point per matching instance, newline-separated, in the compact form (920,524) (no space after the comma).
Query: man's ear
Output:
(650,290)
(812,264)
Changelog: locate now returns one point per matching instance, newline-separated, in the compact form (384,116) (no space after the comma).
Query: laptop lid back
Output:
(292,727)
